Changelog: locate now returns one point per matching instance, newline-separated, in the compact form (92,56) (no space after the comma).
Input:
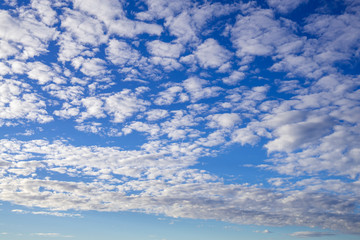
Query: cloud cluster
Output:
(165,85)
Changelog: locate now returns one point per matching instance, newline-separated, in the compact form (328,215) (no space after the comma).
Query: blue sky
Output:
(169,120)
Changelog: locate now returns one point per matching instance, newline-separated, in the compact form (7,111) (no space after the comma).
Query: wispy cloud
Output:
(312,234)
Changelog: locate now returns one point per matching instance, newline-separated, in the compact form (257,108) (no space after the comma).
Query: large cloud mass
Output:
(110,106)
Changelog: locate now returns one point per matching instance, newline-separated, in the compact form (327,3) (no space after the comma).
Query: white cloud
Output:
(93,127)
(196,190)
(18,102)
(93,67)
(338,36)
(309,234)
(120,53)
(225,120)
(45,11)
(266,231)
(163,49)
(152,129)
(83,28)
(57,214)
(156,114)
(212,55)
(259,34)
(111,13)
(213,139)
(94,108)
(51,235)
(23,36)
(123,105)
(245,136)
(71,93)
(284,6)
(296,135)
(234,78)
(106,11)
(127,28)
(197,90)
(164,54)
(41,72)
(169,95)
(178,126)
(181,26)
(169,64)
(116,76)
(68,111)
(162,9)
(6,49)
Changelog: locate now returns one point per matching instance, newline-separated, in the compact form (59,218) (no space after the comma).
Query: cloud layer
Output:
(111,106)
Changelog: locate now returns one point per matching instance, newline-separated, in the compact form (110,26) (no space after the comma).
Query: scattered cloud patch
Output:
(312,234)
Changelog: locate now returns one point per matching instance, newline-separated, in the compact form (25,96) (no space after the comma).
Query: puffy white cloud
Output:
(93,67)
(245,99)
(67,111)
(164,54)
(124,104)
(169,64)
(156,114)
(41,72)
(169,95)
(225,120)
(111,13)
(127,28)
(23,36)
(17,102)
(152,129)
(178,126)
(234,78)
(163,49)
(94,108)
(71,93)
(293,136)
(259,34)
(338,36)
(106,11)
(45,11)
(6,49)
(211,54)
(197,90)
(182,28)
(120,53)
(245,136)
(82,28)
(213,139)
(162,9)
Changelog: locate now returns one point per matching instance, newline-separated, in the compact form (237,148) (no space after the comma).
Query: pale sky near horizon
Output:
(172,120)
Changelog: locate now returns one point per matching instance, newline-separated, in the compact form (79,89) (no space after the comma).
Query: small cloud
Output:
(19,211)
(46,234)
(57,214)
(51,235)
(263,231)
(307,234)
(28,132)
